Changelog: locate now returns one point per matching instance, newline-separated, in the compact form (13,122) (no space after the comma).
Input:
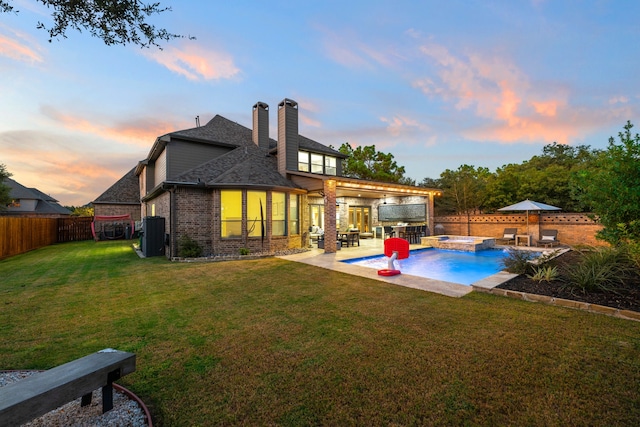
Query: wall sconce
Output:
(385,199)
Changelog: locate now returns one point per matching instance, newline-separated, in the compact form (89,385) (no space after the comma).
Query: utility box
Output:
(152,238)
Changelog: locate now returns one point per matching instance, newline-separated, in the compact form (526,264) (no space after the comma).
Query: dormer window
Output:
(317,163)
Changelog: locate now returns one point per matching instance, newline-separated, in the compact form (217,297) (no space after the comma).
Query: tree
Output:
(611,186)
(5,190)
(463,190)
(546,178)
(367,163)
(114,21)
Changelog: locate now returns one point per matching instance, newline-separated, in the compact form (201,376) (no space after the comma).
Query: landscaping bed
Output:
(625,297)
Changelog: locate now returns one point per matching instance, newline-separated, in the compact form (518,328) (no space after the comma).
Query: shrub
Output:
(545,273)
(600,269)
(189,248)
(517,261)
(244,251)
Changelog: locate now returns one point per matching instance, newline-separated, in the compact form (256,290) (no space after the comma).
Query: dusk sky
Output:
(436,83)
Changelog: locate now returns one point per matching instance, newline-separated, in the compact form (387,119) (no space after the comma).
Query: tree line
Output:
(604,183)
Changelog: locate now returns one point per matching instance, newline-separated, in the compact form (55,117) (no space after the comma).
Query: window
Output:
(14,203)
(231,213)
(278,214)
(256,213)
(303,161)
(294,216)
(317,163)
(330,165)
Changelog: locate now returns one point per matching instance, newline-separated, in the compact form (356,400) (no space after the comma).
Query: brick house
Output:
(230,187)
(121,198)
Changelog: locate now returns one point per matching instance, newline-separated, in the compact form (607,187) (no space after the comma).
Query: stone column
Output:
(330,231)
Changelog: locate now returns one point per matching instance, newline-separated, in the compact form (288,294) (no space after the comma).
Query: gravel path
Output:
(125,413)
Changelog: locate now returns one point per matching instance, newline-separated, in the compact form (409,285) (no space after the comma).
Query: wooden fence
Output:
(19,234)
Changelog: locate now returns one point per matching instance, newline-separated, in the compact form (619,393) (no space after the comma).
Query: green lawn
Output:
(270,342)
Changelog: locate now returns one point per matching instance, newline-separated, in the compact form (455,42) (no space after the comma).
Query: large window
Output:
(231,213)
(256,213)
(294,214)
(278,214)
(317,163)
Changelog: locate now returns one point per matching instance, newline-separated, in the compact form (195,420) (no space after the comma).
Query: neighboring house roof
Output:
(247,166)
(45,204)
(126,191)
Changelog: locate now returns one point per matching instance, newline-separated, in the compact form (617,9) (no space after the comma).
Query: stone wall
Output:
(573,228)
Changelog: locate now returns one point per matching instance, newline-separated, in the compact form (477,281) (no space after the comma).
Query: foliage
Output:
(369,164)
(5,191)
(544,273)
(85,210)
(611,186)
(600,269)
(114,21)
(547,178)
(189,248)
(244,251)
(518,261)
(463,190)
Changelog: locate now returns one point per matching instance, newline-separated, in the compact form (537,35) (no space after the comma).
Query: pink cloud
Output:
(497,91)
(19,48)
(195,62)
(141,131)
(62,166)
(400,125)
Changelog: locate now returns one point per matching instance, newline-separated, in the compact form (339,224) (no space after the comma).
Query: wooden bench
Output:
(45,391)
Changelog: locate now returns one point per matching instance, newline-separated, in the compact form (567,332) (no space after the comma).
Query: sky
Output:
(438,84)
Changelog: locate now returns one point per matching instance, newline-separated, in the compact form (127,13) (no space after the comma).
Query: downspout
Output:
(172,210)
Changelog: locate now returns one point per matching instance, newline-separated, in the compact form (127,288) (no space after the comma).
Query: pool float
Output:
(394,248)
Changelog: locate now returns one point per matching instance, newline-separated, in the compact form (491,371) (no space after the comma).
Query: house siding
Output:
(183,156)
(160,168)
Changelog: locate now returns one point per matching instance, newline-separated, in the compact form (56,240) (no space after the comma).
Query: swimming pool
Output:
(441,264)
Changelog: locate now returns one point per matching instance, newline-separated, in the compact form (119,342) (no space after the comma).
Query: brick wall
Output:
(100,209)
(573,228)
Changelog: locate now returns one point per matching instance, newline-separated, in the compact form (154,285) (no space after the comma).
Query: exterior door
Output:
(360,218)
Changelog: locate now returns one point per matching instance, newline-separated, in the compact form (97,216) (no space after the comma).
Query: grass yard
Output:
(271,342)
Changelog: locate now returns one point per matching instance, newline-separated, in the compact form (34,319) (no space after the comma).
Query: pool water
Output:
(441,264)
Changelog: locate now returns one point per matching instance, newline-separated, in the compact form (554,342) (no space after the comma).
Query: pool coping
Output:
(333,261)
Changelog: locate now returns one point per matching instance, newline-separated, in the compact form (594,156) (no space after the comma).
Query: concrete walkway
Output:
(369,247)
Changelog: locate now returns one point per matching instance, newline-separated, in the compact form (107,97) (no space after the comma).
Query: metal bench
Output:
(45,391)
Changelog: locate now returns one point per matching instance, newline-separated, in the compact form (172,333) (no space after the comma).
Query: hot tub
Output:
(460,243)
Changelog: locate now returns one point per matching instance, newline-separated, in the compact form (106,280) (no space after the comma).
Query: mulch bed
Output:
(626,297)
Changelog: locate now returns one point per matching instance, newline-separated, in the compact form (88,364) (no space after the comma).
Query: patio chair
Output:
(388,231)
(508,237)
(549,238)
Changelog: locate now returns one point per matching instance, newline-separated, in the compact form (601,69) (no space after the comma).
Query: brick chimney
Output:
(287,136)
(260,132)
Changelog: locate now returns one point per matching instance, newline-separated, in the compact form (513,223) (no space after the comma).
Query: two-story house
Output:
(230,187)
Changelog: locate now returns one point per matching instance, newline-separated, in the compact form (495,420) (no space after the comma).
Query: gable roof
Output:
(45,203)
(125,191)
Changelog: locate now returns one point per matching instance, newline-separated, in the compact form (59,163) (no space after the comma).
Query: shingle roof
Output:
(125,191)
(249,165)
(45,205)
